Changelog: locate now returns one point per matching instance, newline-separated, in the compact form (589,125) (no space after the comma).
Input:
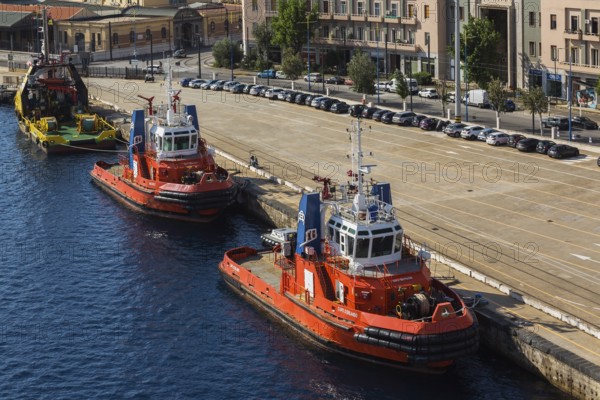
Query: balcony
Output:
(589,35)
(325,16)
(582,68)
(358,17)
(408,20)
(573,34)
(392,19)
(374,18)
(341,16)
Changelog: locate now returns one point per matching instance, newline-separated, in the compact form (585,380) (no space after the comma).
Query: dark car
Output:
(309,99)
(416,121)
(441,125)
(335,80)
(527,144)
(290,97)
(263,91)
(239,88)
(584,122)
(327,103)
(185,81)
(301,98)
(388,117)
(428,124)
(559,122)
(316,103)
(403,118)
(247,88)
(340,108)
(509,106)
(356,109)
(598,161)
(368,112)
(543,146)
(563,151)
(454,129)
(514,139)
(180,53)
(377,114)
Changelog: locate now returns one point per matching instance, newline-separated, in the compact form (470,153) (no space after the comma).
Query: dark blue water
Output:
(100,302)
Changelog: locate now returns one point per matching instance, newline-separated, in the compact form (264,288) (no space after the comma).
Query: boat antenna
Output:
(170,95)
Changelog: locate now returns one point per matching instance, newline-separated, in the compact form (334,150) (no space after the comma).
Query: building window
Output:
(359,8)
(325,7)
(359,33)
(552,21)
(99,40)
(574,23)
(326,31)
(115,38)
(411,10)
(532,48)
(343,7)
(131,36)
(594,26)
(594,58)
(65,37)
(531,18)
(574,56)
(461,13)
(163,33)
(554,53)
(377,9)
(254,5)
(394,10)
(148,34)
(426,11)
(540,49)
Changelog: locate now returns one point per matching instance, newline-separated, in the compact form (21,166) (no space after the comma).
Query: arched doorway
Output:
(80,41)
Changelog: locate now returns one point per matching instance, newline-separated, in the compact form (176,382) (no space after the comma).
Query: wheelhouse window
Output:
(168,144)
(382,246)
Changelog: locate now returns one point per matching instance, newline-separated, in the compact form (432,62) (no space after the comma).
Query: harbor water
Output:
(100,302)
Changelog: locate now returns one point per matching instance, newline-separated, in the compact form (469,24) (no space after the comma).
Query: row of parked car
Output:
(522,143)
(563,122)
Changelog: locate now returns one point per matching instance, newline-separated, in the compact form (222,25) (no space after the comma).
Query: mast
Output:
(360,202)
(170,96)
(45,41)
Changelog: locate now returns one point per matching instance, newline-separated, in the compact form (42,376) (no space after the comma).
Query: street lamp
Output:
(308,47)
(457,117)
(570,89)
(377,39)
(149,37)
(199,43)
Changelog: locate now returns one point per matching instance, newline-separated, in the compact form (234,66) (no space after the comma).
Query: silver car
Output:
(497,138)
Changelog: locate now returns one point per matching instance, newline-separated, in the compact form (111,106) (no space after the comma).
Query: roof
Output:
(54,12)
(8,19)
(150,12)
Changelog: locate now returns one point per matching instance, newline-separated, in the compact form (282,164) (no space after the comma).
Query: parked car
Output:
(368,112)
(335,80)
(196,83)
(280,75)
(218,85)
(381,86)
(403,118)
(454,129)
(185,81)
(416,120)
(497,138)
(528,144)
(559,122)
(228,85)
(316,102)
(471,132)
(477,97)
(290,96)
(543,146)
(584,122)
(310,98)
(388,117)
(485,133)
(263,91)
(509,106)
(563,151)
(598,161)
(272,94)
(180,53)
(313,77)
(377,114)
(267,73)
(340,108)
(301,98)
(356,109)
(248,87)
(238,89)
(428,124)
(255,90)
(206,85)
(441,125)
(327,103)
(430,93)
(514,139)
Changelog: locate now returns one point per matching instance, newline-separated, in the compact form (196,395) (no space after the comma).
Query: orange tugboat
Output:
(170,171)
(354,285)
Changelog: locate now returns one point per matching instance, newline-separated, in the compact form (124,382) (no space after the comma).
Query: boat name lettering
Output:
(348,312)
(233,267)
(301,216)
(406,278)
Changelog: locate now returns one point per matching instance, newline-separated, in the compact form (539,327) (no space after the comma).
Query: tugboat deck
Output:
(262,265)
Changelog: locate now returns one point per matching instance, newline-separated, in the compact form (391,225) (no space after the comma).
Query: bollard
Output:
(590,140)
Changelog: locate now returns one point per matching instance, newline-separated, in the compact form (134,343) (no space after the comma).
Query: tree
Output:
(263,36)
(291,23)
(537,103)
(497,98)
(443,91)
(362,71)
(401,85)
(223,50)
(292,64)
(482,42)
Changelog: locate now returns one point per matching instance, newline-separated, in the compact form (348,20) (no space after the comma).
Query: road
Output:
(523,219)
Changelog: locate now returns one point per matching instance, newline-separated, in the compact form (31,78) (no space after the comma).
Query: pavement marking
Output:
(585,258)
(451,152)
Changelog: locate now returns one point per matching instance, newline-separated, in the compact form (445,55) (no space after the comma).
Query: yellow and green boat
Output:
(52,108)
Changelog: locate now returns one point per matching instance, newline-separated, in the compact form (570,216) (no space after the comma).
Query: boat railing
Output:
(289,285)
(377,211)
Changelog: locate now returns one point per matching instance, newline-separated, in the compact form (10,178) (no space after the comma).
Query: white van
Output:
(313,77)
(413,86)
(477,97)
